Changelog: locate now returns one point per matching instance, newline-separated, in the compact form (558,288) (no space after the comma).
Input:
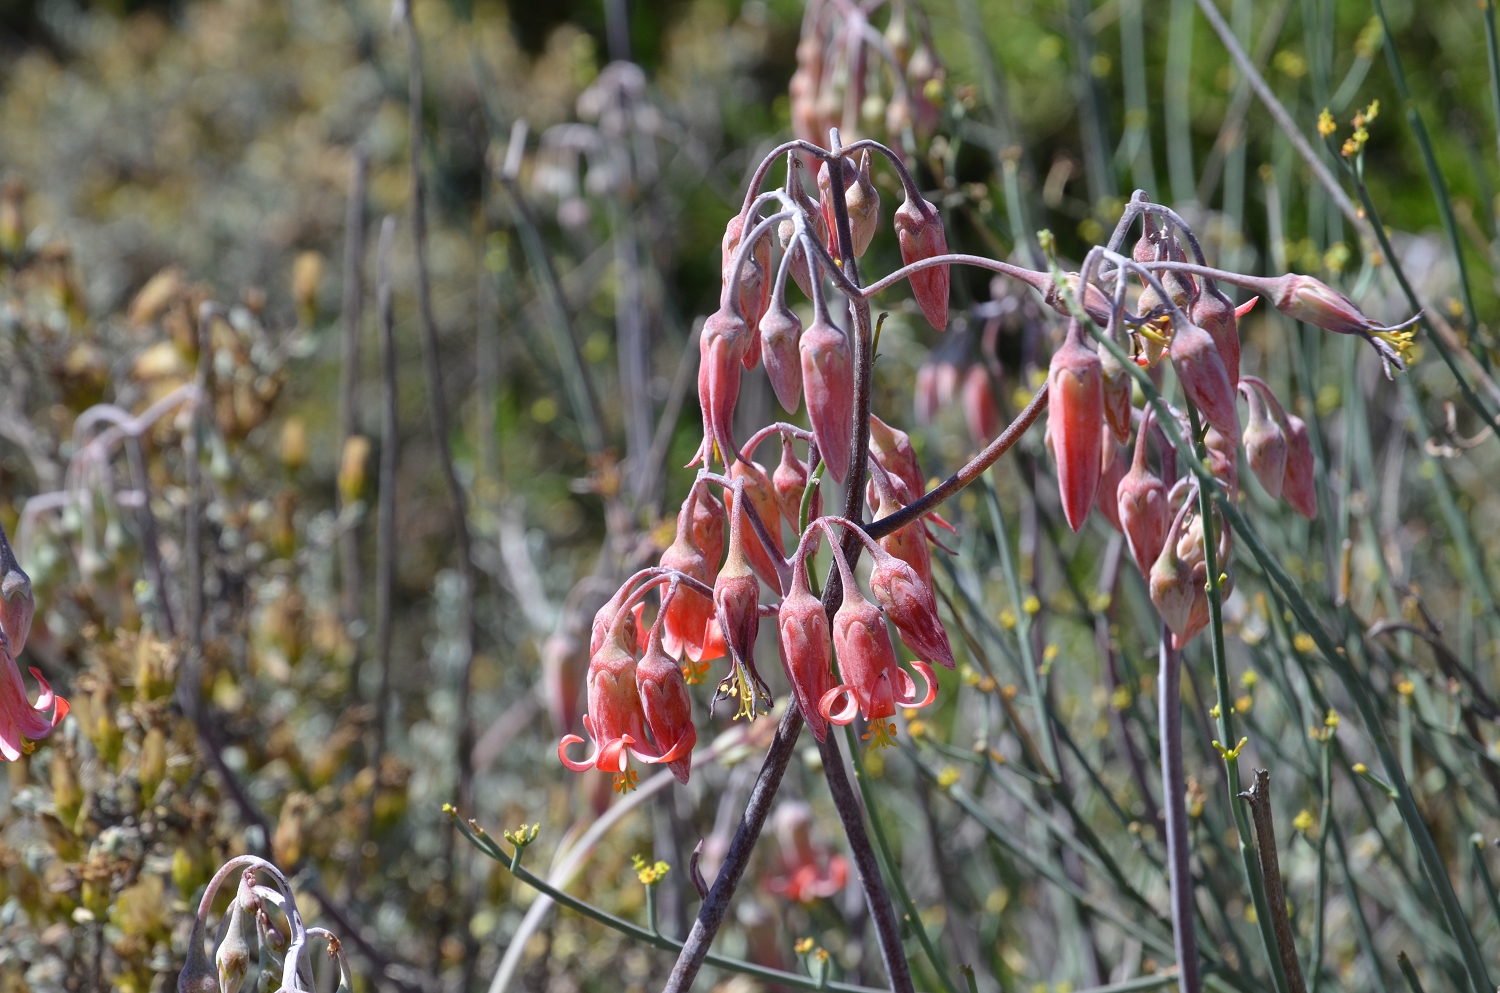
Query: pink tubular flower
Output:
(908,601)
(892,449)
(981,413)
(736,606)
(1204,379)
(1171,580)
(665,700)
(1265,441)
(812,215)
(1213,312)
(1305,298)
(1142,505)
(808,872)
(1107,501)
(755,280)
(789,481)
(919,232)
(1297,484)
(615,719)
(685,616)
(709,522)
(721,347)
(1076,402)
(564,665)
(762,496)
(909,544)
(828,382)
(21,721)
(779,331)
(806,646)
(1117,386)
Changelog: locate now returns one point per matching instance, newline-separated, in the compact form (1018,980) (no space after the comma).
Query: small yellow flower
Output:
(803,946)
(1007,618)
(1303,642)
(968,674)
(1242,705)
(987,685)
(1249,679)
(1326,127)
(1049,653)
(1303,821)
(649,873)
(1214,712)
(1009,691)
(1406,687)
(1360,768)
(916,728)
(947,777)
(1332,720)
(1120,698)
(1031,605)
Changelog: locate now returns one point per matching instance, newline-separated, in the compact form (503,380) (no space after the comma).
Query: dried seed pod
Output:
(828,384)
(779,331)
(1297,485)
(1076,412)
(919,232)
(1204,379)
(806,648)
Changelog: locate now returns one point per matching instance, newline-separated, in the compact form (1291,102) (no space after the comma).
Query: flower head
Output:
(1297,484)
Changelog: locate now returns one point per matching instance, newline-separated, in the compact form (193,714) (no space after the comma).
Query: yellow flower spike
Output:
(1326,127)
(1332,720)
(649,873)
(1049,653)
(1031,605)
(947,777)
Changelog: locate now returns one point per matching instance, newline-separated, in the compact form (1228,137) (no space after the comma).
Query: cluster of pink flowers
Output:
(21,721)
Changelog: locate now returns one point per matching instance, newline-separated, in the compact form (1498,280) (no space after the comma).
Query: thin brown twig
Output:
(1259,798)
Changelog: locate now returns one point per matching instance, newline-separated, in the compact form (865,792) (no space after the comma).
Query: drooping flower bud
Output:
(828,382)
(564,667)
(919,231)
(667,705)
(812,216)
(1076,412)
(981,413)
(710,520)
(1213,312)
(685,617)
(762,496)
(1265,443)
(1204,379)
(1108,498)
(1305,298)
(864,206)
(806,647)
(892,448)
(721,347)
(755,280)
(233,955)
(736,605)
(1142,504)
(615,720)
(789,482)
(925,393)
(908,601)
(867,661)
(909,544)
(1297,485)
(1223,459)
(1171,581)
(779,331)
(1117,389)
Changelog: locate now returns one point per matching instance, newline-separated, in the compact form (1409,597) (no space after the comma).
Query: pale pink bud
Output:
(925,393)
(1265,444)
(919,231)
(1204,379)
(721,349)
(737,594)
(709,521)
(892,449)
(1108,498)
(864,206)
(812,215)
(1142,505)
(1223,459)
(828,383)
(789,482)
(1297,485)
(1215,314)
(806,648)
(1075,415)
(1305,298)
(1117,390)
(909,544)
(564,666)
(981,413)
(779,331)
(755,280)
(909,602)
(1171,581)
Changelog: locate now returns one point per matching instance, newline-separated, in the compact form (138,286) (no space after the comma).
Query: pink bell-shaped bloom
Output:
(1204,379)
(1075,414)
(828,382)
(666,702)
(755,280)
(981,413)
(615,719)
(806,647)
(909,543)
(1171,581)
(1213,312)
(919,232)
(1305,298)
(789,482)
(1107,501)
(721,347)
(1297,485)
(736,606)
(809,871)
(779,331)
(861,199)
(909,602)
(1142,503)
(685,618)
(812,216)
(892,449)
(1265,441)
(762,496)
(21,721)
(710,521)
(1117,387)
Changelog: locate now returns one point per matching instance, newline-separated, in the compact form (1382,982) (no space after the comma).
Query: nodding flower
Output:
(828,382)
(1265,440)
(789,482)
(710,521)
(1117,387)
(907,599)
(21,721)
(780,331)
(762,496)
(684,617)
(812,216)
(873,682)
(1171,579)
(1223,459)
(1204,379)
(1297,485)
(736,605)
(861,199)
(755,280)
(919,232)
(808,871)
(1314,301)
(1107,501)
(665,699)
(909,543)
(1213,312)
(1076,401)
(892,448)
(721,348)
(1143,505)
(981,413)
(805,642)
